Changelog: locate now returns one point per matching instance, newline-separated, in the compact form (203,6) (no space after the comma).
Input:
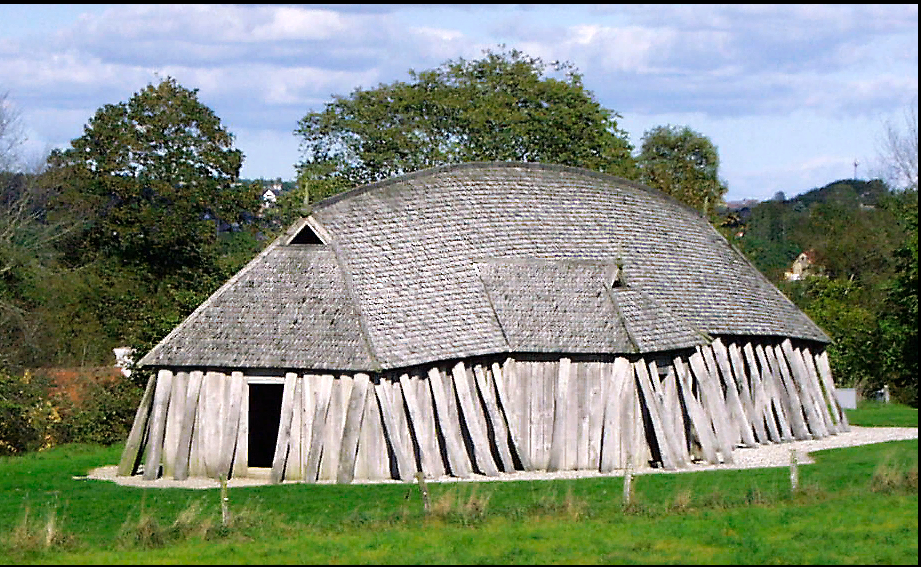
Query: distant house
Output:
(804,265)
(270,195)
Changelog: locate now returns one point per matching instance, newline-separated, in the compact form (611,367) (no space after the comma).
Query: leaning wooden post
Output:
(560,438)
(129,461)
(157,424)
(473,417)
(184,456)
(284,429)
(458,461)
(794,471)
(350,436)
(824,368)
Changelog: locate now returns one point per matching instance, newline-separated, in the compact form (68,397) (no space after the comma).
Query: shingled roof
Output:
(483,258)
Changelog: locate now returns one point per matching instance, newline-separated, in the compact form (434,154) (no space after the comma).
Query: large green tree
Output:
(900,325)
(503,107)
(684,164)
(153,187)
(155,176)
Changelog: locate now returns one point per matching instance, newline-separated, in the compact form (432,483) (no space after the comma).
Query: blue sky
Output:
(790,94)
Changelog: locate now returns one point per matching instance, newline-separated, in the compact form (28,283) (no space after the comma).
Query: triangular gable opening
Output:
(306,236)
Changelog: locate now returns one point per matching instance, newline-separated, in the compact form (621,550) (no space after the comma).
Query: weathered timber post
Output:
(225,502)
(423,489)
(794,471)
(628,481)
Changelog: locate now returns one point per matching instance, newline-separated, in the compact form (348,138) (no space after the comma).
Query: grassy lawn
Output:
(855,505)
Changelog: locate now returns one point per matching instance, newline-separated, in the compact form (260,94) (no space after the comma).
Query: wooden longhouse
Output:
(480,318)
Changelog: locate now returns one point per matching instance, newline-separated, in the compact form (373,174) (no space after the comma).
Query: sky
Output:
(791,95)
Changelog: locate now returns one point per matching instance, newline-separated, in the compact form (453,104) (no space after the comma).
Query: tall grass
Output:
(891,477)
(197,521)
(40,533)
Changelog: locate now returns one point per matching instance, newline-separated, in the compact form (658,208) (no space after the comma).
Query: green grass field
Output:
(855,505)
(877,414)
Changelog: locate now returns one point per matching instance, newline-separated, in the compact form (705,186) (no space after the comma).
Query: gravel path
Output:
(776,455)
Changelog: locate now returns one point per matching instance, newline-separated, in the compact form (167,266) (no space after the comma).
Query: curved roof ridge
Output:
(433,171)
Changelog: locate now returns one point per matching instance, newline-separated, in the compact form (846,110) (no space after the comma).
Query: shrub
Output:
(37,413)
(26,415)
(453,506)
(103,415)
(890,478)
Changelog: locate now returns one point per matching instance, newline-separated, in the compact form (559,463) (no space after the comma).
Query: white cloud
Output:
(295,23)
(745,75)
(734,60)
(626,49)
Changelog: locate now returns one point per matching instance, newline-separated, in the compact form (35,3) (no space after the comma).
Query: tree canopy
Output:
(503,107)
(684,164)
(153,174)
(124,233)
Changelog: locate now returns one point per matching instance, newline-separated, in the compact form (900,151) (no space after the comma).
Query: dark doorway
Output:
(264,417)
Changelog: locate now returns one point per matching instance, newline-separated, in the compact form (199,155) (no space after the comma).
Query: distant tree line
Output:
(112,243)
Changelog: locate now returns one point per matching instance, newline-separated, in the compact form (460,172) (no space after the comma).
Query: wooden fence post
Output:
(628,482)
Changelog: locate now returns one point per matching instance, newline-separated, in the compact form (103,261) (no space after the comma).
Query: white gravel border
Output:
(773,455)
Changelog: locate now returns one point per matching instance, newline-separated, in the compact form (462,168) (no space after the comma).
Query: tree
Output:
(684,164)
(898,151)
(900,325)
(157,175)
(152,183)
(28,256)
(836,306)
(502,107)
(11,135)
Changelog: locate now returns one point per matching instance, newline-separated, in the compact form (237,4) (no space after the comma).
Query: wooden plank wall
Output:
(469,418)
